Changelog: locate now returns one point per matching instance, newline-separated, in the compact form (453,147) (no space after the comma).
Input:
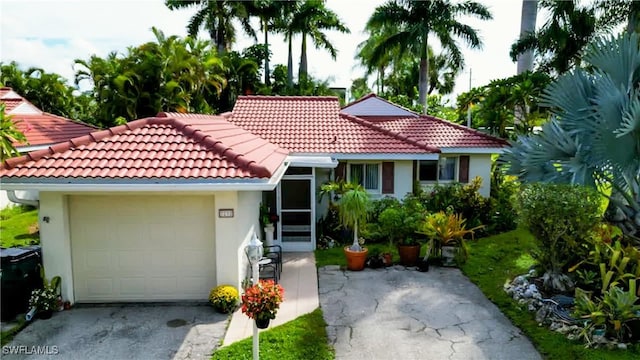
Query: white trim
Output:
(221,185)
(183,187)
(312,161)
(471,150)
(388,156)
(25,108)
(30,148)
(11,95)
(301,245)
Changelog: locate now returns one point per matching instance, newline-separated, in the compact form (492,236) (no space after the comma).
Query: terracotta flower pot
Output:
(356,259)
(409,254)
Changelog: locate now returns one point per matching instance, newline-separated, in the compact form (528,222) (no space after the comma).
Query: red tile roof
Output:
(313,124)
(45,128)
(441,133)
(426,129)
(40,128)
(170,146)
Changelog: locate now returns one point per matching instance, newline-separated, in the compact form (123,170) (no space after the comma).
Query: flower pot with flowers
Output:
(46,300)
(262,301)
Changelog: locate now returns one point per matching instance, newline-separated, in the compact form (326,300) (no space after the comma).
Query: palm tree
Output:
(416,20)
(216,16)
(309,18)
(270,13)
(561,39)
(379,65)
(527,26)
(593,139)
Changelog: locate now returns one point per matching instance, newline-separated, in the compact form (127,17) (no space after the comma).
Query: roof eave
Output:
(263,185)
(472,150)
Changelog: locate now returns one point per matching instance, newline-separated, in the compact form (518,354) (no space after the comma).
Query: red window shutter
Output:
(463,175)
(341,171)
(387,178)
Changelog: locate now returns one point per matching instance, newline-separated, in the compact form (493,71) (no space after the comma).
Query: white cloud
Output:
(52,33)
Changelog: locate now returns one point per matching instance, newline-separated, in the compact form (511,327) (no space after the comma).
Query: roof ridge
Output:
(211,144)
(288,97)
(465,128)
(393,134)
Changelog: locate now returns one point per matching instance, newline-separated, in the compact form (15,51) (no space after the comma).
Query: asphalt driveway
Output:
(124,332)
(397,313)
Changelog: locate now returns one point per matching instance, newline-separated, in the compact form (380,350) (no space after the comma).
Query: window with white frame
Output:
(444,169)
(367,175)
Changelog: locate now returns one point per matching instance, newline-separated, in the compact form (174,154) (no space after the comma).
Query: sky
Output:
(50,34)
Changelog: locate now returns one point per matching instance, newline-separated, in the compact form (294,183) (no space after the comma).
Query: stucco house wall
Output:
(230,235)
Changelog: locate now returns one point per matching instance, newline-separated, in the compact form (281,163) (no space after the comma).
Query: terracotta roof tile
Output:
(313,124)
(441,133)
(165,147)
(40,128)
(425,129)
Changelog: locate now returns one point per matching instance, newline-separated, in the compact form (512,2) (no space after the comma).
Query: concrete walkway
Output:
(397,313)
(300,283)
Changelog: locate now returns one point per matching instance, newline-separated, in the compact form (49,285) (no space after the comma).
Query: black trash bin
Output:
(19,275)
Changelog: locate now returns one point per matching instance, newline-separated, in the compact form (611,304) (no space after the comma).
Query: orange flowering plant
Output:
(262,300)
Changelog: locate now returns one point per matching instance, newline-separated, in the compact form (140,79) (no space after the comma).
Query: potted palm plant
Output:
(352,212)
(446,234)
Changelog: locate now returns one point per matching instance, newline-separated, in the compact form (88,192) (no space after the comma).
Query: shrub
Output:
(224,298)
(463,199)
(561,218)
(503,215)
(395,221)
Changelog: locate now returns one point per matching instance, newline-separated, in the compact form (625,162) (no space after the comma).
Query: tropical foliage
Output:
(505,104)
(47,91)
(9,135)
(352,210)
(594,137)
(560,217)
(216,18)
(311,18)
(170,74)
(404,27)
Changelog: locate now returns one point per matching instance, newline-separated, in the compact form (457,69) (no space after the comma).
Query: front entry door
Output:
(297,214)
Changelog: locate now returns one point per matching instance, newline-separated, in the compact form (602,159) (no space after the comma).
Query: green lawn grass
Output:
(8,335)
(18,227)
(335,256)
(496,259)
(302,338)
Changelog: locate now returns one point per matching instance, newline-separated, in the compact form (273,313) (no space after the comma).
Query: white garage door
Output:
(142,248)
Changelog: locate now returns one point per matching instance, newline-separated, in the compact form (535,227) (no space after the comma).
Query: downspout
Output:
(11,194)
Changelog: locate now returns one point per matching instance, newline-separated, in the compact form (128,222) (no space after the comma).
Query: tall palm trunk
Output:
(424,76)
(290,65)
(267,80)
(302,71)
(527,26)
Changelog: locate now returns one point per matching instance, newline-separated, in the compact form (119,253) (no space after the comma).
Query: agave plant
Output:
(594,135)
